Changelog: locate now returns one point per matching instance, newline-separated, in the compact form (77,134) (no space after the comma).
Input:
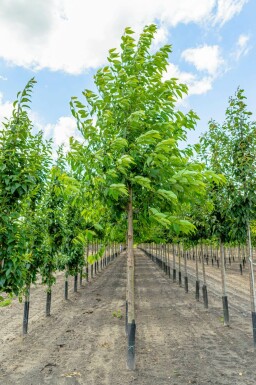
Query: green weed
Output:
(117,314)
(5,302)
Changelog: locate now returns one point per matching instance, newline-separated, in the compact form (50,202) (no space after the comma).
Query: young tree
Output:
(230,148)
(56,205)
(24,163)
(200,212)
(131,129)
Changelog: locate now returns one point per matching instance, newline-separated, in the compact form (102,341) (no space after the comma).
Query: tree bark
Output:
(185,271)
(252,283)
(131,326)
(66,285)
(204,288)
(223,283)
(48,301)
(197,276)
(179,255)
(26,310)
(75,282)
(174,264)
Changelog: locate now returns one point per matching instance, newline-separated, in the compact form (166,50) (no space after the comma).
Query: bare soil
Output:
(178,341)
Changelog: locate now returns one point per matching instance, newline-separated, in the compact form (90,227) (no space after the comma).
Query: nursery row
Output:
(223,266)
(87,272)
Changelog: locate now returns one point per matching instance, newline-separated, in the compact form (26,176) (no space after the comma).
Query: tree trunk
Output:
(239,259)
(168,261)
(185,271)
(48,301)
(179,256)
(197,277)
(26,310)
(86,266)
(75,282)
(223,283)
(204,288)
(173,264)
(66,285)
(131,326)
(252,283)
(212,256)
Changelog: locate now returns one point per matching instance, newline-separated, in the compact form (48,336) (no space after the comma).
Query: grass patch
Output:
(117,314)
(5,302)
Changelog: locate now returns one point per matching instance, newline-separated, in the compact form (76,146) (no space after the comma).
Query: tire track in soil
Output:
(180,342)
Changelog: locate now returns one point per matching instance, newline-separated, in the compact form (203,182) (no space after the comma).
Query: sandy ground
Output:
(178,341)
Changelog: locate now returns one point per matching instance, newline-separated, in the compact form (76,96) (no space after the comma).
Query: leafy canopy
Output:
(230,148)
(131,129)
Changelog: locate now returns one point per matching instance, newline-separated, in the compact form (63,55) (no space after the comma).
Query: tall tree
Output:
(24,164)
(230,148)
(131,129)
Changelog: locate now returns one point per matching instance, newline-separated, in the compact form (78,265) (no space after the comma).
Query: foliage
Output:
(131,130)
(5,302)
(230,149)
(24,163)
(117,314)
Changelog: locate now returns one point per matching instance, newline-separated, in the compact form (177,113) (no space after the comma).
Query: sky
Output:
(62,43)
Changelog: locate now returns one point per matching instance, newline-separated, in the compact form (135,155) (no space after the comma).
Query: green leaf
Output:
(119,144)
(186,226)
(169,195)
(149,137)
(125,161)
(128,31)
(97,226)
(160,217)
(166,145)
(117,189)
(216,178)
(90,234)
(143,181)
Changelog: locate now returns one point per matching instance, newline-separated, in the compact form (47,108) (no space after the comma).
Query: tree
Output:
(56,202)
(24,163)
(230,148)
(131,130)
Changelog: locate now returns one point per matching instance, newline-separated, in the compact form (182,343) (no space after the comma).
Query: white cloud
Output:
(3,78)
(25,18)
(185,11)
(242,46)
(200,86)
(160,39)
(73,36)
(243,40)
(206,58)
(196,85)
(5,108)
(227,9)
(61,131)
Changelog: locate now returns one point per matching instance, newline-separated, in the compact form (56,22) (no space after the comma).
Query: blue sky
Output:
(62,43)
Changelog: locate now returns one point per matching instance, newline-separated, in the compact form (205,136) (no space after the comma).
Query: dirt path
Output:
(78,344)
(182,343)
(178,341)
(238,286)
